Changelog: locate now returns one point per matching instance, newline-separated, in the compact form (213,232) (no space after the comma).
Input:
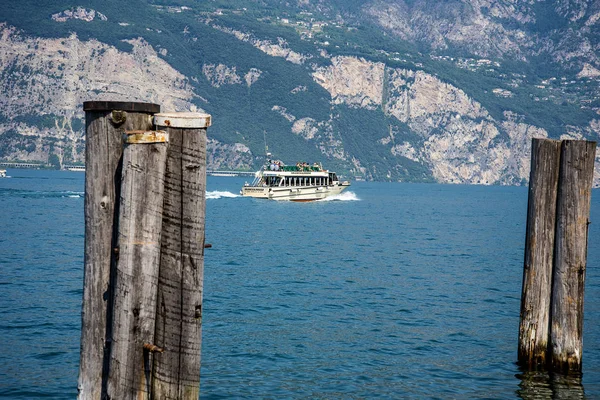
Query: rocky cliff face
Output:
(45,82)
(460,141)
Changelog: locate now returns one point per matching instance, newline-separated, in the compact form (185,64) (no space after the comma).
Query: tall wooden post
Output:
(176,373)
(136,277)
(105,124)
(539,246)
(570,253)
(551,328)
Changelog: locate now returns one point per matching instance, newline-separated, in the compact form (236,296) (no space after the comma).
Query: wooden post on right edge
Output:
(570,253)
(176,372)
(539,247)
(551,326)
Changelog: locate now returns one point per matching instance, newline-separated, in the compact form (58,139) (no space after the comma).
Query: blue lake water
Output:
(391,291)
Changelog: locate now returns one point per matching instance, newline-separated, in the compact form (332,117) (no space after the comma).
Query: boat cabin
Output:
(280,180)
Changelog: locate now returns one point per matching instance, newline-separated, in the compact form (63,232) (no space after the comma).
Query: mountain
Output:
(413,90)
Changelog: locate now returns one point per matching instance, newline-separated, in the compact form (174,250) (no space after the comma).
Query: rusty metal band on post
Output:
(183,120)
(142,137)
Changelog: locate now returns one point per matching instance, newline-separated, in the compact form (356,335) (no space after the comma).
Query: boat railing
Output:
(256,180)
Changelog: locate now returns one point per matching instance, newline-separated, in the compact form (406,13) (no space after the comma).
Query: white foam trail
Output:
(345,196)
(220,194)
(74,194)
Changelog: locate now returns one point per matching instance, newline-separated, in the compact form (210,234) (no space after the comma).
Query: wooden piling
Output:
(570,253)
(105,124)
(551,326)
(176,373)
(136,277)
(539,246)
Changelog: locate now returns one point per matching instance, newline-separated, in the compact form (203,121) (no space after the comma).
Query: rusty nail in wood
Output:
(153,348)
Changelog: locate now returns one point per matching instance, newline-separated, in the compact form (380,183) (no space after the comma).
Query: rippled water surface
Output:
(389,291)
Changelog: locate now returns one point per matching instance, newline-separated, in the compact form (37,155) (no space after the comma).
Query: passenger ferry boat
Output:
(2,173)
(301,182)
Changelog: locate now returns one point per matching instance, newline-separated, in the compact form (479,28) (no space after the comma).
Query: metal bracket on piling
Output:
(141,137)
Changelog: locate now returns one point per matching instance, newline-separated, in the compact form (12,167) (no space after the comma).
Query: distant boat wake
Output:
(220,194)
(344,196)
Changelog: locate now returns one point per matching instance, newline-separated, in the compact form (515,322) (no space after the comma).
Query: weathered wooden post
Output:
(539,246)
(570,253)
(176,373)
(551,328)
(136,275)
(105,123)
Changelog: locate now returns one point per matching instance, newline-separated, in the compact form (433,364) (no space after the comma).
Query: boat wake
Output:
(41,194)
(220,194)
(345,196)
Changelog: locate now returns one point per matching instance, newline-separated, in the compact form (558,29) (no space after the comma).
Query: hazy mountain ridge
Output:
(415,122)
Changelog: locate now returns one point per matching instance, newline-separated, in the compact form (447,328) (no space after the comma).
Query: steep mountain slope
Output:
(384,90)
(565,31)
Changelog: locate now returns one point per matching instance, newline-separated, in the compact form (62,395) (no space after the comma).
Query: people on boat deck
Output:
(304,166)
(276,165)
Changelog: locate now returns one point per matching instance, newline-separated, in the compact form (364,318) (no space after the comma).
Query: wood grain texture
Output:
(539,247)
(136,279)
(570,254)
(179,310)
(102,182)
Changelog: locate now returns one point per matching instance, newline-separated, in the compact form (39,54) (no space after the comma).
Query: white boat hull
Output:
(299,193)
